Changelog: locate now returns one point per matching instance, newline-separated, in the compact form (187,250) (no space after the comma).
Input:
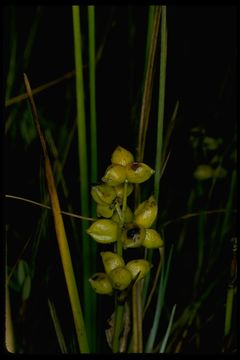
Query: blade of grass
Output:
(61,234)
(161,100)
(169,132)
(83,167)
(9,330)
(166,336)
(57,327)
(92,88)
(158,159)
(93,144)
(49,207)
(147,94)
(231,289)
(160,302)
(151,10)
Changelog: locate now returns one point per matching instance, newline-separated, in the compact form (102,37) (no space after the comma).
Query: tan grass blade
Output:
(60,233)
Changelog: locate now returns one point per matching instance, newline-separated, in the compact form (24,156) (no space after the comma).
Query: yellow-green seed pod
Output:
(120,190)
(101,284)
(152,239)
(105,211)
(120,278)
(132,235)
(104,231)
(139,266)
(203,172)
(103,194)
(127,218)
(114,175)
(210,143)
(111,261)
(121,156)
(138,172)
(146,213)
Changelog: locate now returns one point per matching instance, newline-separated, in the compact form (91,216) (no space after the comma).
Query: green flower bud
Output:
(103,194)
(120,190)
(114,175)
(121,156)
(104,231)
(203,172)
(120,278)
(146,213)
(152,239)
(132,236)
(111,261)
(138,172)
(101,284)
(105,211)
(140,267)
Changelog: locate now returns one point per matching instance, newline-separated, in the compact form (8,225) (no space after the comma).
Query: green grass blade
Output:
(160,302)
(151,10)
(83,167)
(162,81)
(93,145)
(92,89)
(57,327)
(166,336)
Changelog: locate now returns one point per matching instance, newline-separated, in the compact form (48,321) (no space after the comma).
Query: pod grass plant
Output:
(138,278)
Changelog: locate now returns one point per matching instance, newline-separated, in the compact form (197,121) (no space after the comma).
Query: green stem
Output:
(117,327)
(83,167)
(119,307)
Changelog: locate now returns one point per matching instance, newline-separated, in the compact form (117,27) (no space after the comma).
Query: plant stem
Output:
(117,327)
(119,307)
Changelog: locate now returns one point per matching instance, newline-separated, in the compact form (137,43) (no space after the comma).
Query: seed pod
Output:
(101,284)
(139,266)
(121,156)
(203,172)
(111,261)
(132,235)
(104,231)
(120,190)
(103,194)
(138,172)
(120,278)
(105,211)
(127,218)
(146,213)
(152,239)
(114,175)
(210,143)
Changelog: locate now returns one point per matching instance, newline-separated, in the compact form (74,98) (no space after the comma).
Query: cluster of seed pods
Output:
(119,223)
